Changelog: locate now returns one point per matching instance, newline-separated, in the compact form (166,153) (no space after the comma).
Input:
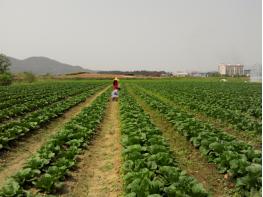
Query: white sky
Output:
(166,35)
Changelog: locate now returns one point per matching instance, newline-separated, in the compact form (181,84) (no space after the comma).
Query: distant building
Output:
(231,69)
(247,72)
(198,74)
(256,73)
(166,74)
(181,74)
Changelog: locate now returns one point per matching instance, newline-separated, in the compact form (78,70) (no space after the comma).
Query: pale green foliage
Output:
(29,77)
(4,63)
(5,78)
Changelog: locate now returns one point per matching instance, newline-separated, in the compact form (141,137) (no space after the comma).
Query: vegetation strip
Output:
(239,160)
(16,129)
(20,101)
(149,168)
(205,99)
(189,158)
(19,94)
(98,172)
(14,159)
(34,103)
(47,169)
(248,137)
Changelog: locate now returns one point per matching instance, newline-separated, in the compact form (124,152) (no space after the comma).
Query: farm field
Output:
(163,137)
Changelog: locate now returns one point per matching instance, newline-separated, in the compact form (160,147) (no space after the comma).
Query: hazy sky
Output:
(166,35)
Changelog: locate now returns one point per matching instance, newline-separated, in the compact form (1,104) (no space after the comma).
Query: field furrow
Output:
(163,137)
(149,168)
(14,159)
(221,101)
(188,158)
(99,171)
(14,130)
(249,138)
(239,161)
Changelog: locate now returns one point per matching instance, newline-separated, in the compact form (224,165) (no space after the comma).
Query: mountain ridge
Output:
(43,65)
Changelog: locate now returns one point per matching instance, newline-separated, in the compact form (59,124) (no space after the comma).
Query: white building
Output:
(231,69)
(180,74)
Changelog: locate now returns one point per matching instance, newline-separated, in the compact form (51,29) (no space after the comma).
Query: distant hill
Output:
(43,65)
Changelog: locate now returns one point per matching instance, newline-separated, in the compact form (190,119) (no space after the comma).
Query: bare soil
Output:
(98,173)
(188,157)
(13,160)
(95,76)
(103,76)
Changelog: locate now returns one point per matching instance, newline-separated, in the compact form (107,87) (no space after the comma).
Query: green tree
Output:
(5,78)
(29,77)
(4,63)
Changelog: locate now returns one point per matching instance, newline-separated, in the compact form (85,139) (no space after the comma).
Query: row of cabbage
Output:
(46,171)
(40,99)
(149,167)
(21,93)
(239,160)
(15,129)
(245,97)
(241,110)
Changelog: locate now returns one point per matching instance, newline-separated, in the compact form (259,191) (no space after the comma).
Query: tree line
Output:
(6,77)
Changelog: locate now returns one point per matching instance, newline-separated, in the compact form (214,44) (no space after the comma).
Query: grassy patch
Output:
(107,167)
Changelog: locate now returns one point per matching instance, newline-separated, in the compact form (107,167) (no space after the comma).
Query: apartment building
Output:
(231,69)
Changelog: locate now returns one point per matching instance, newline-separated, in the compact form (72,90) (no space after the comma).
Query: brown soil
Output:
(98,173)
(103,76)
(95,75)
(249,138)
(189,158)
(14,159)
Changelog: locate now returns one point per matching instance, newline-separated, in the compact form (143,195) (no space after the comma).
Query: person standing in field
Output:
(115,83)
(115,93)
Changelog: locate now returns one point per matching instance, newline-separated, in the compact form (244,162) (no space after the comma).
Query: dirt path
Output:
(14,159)
(98,173)
(187,156)
(249,138)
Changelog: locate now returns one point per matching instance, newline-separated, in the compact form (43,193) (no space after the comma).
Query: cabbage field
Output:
(163,137)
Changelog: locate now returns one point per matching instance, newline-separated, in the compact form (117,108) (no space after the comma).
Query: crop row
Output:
(19,91)
(149,168)
(238,159)
(233,96)
(210,106)
(36,103)
(47,169)
(39,91)
(16,129)
(27,98)
(33,94)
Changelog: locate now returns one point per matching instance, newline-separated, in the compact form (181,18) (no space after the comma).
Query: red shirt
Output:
(115,84)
